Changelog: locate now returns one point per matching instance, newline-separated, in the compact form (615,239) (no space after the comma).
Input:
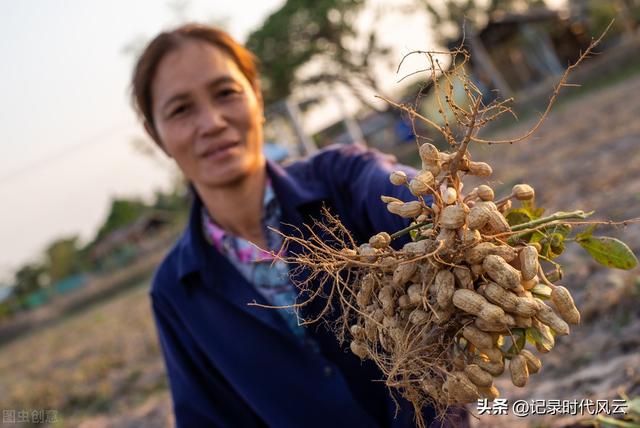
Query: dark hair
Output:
(167,41)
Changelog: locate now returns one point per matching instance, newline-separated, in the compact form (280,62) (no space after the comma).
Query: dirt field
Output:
(102,367)
(585,156)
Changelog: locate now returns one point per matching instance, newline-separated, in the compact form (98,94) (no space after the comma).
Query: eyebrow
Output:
(182,95)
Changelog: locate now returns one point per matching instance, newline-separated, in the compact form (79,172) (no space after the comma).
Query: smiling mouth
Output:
(221,150)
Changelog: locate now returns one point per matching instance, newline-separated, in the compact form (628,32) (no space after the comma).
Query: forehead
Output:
(193,64)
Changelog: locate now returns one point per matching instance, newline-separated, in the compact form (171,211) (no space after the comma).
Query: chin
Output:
(231,175)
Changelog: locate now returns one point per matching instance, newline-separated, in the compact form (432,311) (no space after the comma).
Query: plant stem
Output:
(560,215)
(409,229)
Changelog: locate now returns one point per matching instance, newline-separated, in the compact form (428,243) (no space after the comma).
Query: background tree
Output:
(324,31)
(122,213)
(449,16)
(64,258)
(28,279)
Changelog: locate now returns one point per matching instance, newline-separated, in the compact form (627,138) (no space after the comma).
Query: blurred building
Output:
(382,130)
(515,52)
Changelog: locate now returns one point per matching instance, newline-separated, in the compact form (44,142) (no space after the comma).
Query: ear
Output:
(154,136)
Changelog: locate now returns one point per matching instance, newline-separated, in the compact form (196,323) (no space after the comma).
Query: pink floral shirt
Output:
(269,277)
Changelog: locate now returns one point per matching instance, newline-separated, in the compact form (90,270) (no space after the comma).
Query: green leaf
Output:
(556,275)
(520,339)
(552,245)
(609,251)
(518,216)
(587,233)
(607,422)
(414,234)
(634,406)
(556,245)
(537,236)
(531,208)
(533,336)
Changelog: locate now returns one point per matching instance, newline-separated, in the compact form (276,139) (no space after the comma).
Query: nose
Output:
(211,119)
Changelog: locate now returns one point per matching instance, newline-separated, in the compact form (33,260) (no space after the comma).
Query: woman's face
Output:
(208,116)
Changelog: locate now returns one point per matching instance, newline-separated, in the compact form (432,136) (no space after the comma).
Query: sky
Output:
(66,124)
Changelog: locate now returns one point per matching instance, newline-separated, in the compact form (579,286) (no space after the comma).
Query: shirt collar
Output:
(216,235)
(294,187)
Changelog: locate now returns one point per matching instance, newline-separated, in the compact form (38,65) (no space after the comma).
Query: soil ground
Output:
(585,156)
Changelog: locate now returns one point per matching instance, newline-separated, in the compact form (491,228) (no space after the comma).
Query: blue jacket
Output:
(234,365)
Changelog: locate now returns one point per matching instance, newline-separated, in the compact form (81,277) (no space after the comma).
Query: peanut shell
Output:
(481,169)
(563,302)
(477,337)
(359,348)
(445,286)
(485,193)
(528,262)
(478,376)
(549,317)
(519,371)
(501,272)
(452,217)
(459,388)
(533,363)
(398,178)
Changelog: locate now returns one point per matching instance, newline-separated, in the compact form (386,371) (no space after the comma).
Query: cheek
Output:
(174,140)
(252,124)
(177,143)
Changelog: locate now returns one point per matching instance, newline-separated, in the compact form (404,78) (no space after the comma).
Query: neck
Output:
(237,207)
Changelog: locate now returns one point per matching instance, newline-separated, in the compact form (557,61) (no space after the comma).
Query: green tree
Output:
(29,278)
(122,213)
(305,30)
(64,258)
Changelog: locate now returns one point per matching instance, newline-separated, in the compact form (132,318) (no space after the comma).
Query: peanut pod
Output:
(478,376)
(445,287)
(452,217)
(478,253)
(549,317)
(359,348)
(403,273)
(490,393)
(528,262)
(501,272)
(463,277)
(478,217)
(533,363)
(563,302)
(380,240)
(485,192)
(496,368)
(519,371)
(459,388)
(473,303)
(477,337)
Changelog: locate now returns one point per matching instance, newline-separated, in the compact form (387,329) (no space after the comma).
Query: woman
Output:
(230,363)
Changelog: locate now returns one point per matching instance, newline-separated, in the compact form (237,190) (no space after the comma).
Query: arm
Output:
(362,175)
(201,396)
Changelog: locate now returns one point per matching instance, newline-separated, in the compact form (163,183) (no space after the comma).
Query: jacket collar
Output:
(292,191)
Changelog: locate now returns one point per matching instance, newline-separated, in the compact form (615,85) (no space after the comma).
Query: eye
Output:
(179,110)
(228,92)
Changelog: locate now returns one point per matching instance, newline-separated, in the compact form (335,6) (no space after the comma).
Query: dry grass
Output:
(102,361)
